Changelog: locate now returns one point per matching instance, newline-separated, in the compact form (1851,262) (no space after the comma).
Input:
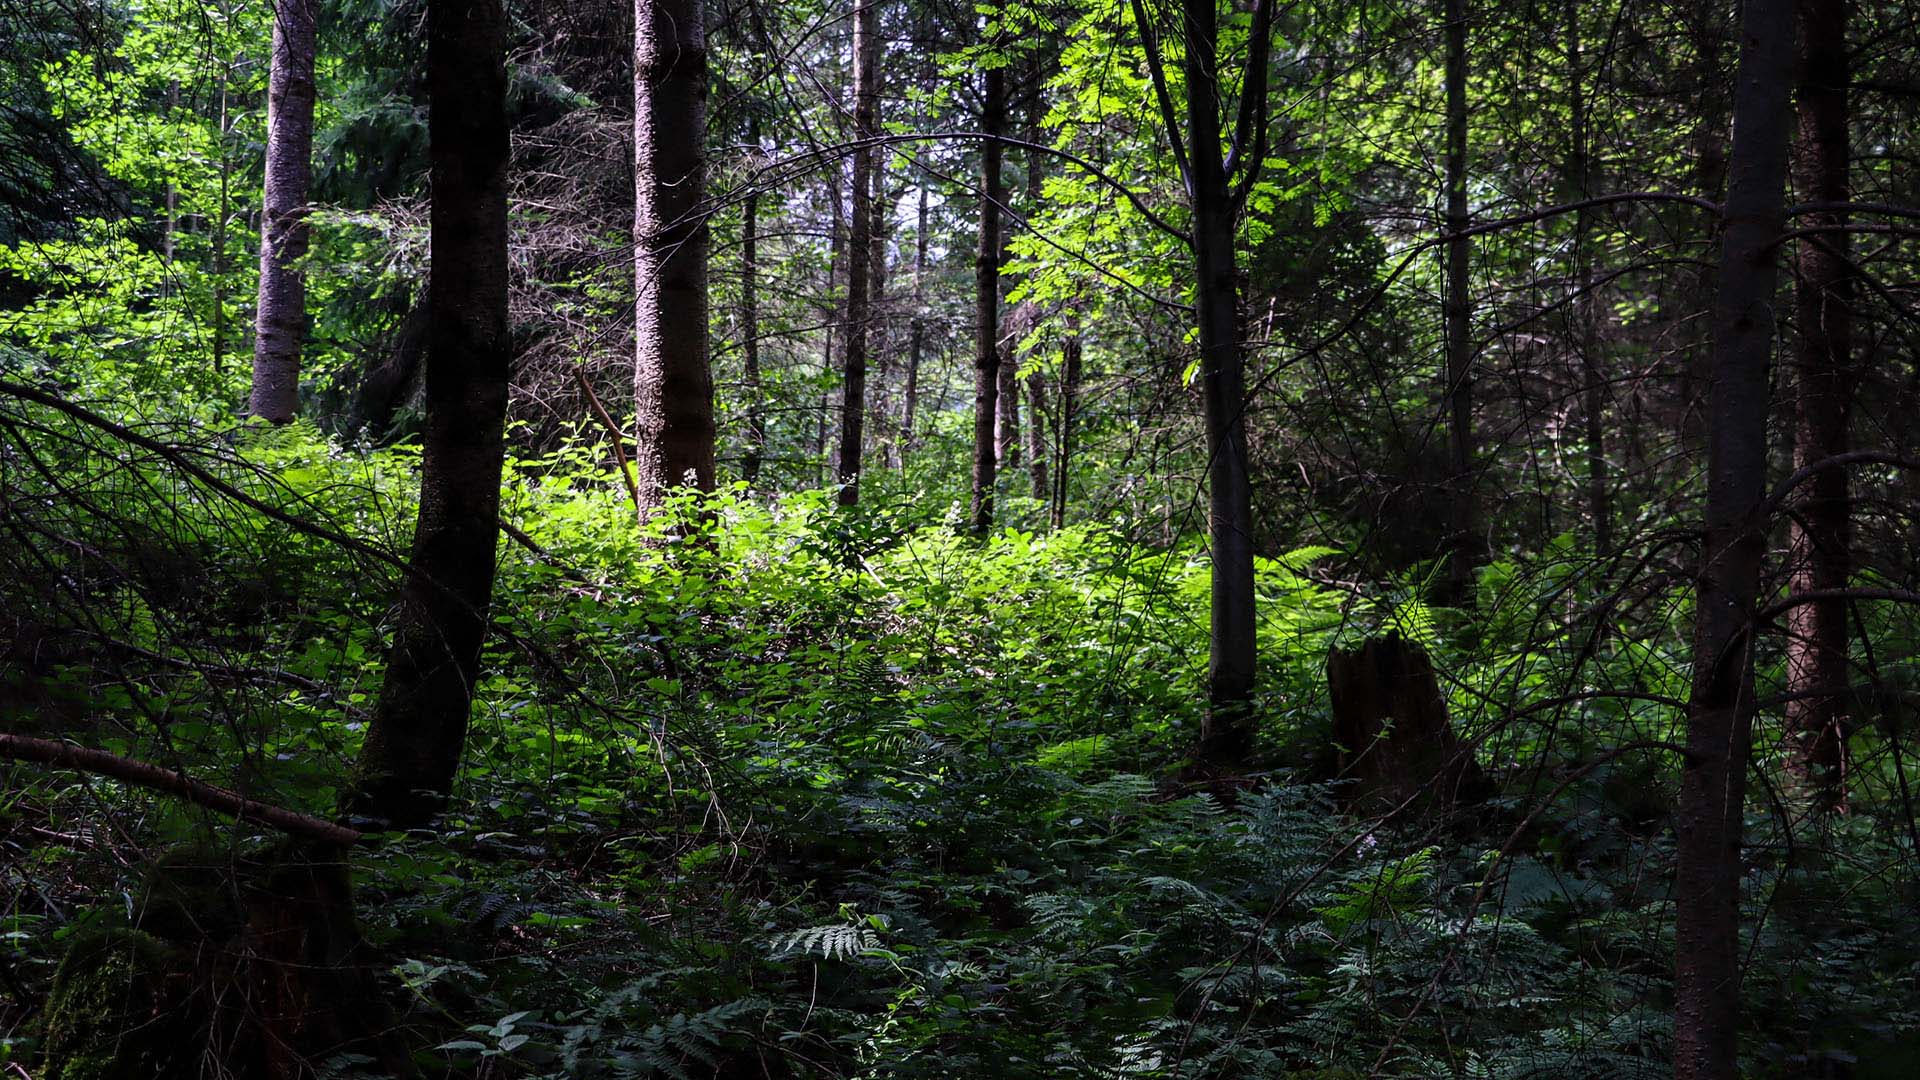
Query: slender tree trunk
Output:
(853,387)
(673,385)
(1584,309)
(1037,436)
(986,302)
(1226,734)
(1721,709)
(917,336)
(750,330)
(1817,631)
(1069,401)
(419,725)
(1464,528)
(1006,419)
(282,314)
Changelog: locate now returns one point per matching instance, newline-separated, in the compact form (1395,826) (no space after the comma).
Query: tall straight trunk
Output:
(673,385)
(1464,526)
(1586,328)
(1820,560)
(1226,734)
(750,332)
(1721,708)
(853,387)
(986,301)
(1037,436)
(282,312)
(419,725)
(917,335)
(1006,413)
(1069,401)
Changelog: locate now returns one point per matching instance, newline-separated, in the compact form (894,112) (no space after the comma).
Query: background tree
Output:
(281,317)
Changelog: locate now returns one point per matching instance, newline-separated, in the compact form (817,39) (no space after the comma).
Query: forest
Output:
(723,540)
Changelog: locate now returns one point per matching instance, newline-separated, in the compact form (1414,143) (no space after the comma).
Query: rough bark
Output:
(1226,733)
(418,732)
(1464,524)
(859,317)
(1397,745)
(282,311)
(1069,403)
(1704,30)
(986,302)
(1721,706)
(673,385)
(1823,372)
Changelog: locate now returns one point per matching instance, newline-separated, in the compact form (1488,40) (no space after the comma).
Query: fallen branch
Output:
(155,778)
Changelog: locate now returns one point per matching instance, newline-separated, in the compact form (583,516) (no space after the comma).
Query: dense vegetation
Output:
(921,540)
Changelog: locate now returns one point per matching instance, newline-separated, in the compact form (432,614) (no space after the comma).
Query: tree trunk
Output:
(917,336)
(1464,528)
(1069,402)
(853,387)
(673,385)
(1390,723)
(1720,711)
(1584,310)
(1226,733)
(1006,420)
(1820,559)
(836,237)
(750,330)
(986,302)
(419,725)
(282,314)
(219,298)
(1037,436)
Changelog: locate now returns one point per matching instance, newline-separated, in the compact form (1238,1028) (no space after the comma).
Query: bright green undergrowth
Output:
(846,794)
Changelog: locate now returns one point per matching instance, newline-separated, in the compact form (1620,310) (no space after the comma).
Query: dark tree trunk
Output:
(853,387)
(1823,369)
(1720,712)
(1390,722)
(1705,30)
(986,302)
(1069,402)
(750,333)
(283,220)
(1464,527)
(836,242)
(419,726)
(673,385)
(1226,734)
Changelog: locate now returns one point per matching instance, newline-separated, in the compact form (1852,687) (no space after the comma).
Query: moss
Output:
(116,1009)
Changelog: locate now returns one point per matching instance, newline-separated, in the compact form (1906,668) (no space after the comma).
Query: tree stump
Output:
(1390,723)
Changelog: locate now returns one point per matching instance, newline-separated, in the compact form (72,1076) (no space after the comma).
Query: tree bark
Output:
(1069,403)
(853,386)
(1464,527)
(1390,721)
(986,302)
(1226,733)
(1820,529)
(419,725)
(673,385)
(282,313)
(1710,178)
(1721,707)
